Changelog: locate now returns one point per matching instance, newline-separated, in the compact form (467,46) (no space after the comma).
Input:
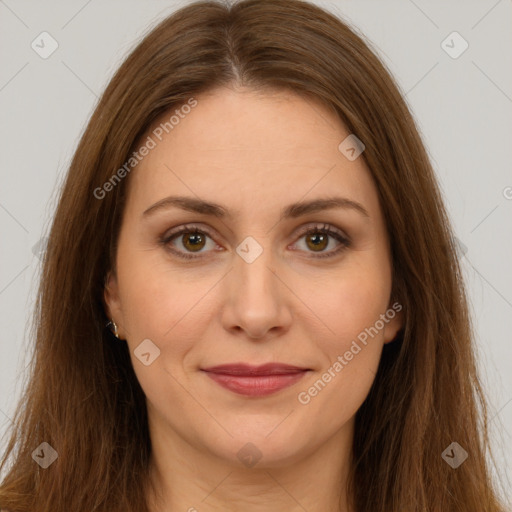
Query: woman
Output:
(251,298)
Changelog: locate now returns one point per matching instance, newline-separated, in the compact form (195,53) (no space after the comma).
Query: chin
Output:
(263,447)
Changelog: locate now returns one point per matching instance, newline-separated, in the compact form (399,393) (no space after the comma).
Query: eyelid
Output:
(187,228)
(344,240)
(319,226)
(314,227)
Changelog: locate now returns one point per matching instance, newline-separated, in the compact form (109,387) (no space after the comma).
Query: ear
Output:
(395,321)
(112,302)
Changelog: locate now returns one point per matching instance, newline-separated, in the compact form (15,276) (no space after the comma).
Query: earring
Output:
(113,327)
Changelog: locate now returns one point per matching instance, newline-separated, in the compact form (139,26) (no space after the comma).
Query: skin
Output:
(253,153)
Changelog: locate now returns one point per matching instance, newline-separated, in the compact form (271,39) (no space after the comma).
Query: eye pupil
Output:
(194,239)
(320,240)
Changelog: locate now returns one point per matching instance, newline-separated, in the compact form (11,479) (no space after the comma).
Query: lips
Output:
(247,369)
(249,380)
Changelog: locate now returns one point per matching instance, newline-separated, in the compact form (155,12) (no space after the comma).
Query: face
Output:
(200,286)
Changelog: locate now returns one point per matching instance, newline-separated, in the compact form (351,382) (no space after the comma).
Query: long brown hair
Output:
(83,397)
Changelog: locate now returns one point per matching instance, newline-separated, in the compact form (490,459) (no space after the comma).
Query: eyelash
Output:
(192,229)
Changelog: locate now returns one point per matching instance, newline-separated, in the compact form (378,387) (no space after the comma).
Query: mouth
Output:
(249,380)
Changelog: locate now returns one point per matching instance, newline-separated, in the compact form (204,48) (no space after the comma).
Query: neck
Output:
(190,478)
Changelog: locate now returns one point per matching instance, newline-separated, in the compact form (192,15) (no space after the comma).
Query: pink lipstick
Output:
(249,380)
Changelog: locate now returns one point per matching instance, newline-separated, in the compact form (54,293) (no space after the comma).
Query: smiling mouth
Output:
(249,380)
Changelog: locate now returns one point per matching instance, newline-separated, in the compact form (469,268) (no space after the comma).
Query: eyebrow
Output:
(292,211)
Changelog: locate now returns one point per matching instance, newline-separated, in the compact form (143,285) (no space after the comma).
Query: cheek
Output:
(148,294)
(352,301)
(351,347)
(157,306)
(162,303)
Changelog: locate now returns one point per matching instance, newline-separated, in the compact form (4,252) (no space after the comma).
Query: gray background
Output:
(463,106)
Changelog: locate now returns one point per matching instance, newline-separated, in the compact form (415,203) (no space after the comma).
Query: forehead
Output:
(249,150)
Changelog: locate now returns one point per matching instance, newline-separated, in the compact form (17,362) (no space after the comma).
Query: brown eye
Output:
(318,238)
(193,241)
(187,241)
(317,241)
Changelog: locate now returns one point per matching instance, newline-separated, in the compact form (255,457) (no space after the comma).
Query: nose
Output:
(257,299)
